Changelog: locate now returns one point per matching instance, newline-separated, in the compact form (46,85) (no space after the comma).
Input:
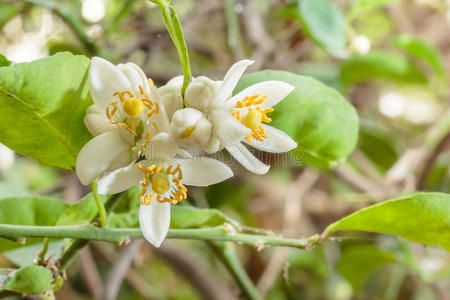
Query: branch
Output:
(122,235)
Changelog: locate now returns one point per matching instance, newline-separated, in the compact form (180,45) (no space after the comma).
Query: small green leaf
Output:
(42,105)
(28,210)
(365,6)
(325,24)
(124,219)
(31,279)
(380,65)
(4,61)
(80,212)
(423,51)
(317,117)
(422,218)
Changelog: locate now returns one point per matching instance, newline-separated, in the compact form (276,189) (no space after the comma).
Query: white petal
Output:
(212,146)
(200,93)
(162,146)
(162,121)
(96,121)
(143,81)
(247,159)
(277,141)
(230,80)
(105,79)
(171,98)
(95,157)
(133,77)
(203,171)
(273,89)
(227,129)
(120,180)
(176,82)
(154,220)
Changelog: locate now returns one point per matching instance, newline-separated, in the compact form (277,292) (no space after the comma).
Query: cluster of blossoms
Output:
(144,135)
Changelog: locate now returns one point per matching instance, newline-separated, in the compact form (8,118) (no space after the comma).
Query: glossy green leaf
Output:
(380,65)
(42,105)
(28,210)
(422,218)
(325,24)
(81,212)
(422,51)
(31,279)
(4,61)
(317,117)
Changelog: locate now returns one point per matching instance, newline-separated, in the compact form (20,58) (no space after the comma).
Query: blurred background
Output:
(392,69)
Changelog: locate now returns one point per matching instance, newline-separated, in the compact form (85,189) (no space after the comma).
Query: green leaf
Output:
(4,61)
(28,210)
(380,65)
(365,6)
(423,51)
(422,218)
(27,255)
(325,24)
(31,279)
(317,117)
(80,212)
(42,105)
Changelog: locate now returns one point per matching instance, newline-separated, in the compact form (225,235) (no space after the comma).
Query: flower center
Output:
(187,132)
(133,106)
(160,184)
(255,116)
(253,119)
(162,181)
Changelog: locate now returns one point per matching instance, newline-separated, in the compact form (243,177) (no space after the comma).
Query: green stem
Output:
(120,235)
(100,207)
(43,251)
(176,33)
(227,253)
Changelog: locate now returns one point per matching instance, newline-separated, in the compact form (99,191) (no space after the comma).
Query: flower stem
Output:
(176,33)
(43,251)
(227,254)
(100,207)
(120,235)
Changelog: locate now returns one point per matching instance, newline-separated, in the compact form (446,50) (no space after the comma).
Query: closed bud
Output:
(200,93)
(190,128)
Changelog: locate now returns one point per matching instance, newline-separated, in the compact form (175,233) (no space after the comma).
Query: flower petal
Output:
(176,82)
(171,98)
(95,157)
(247,159)
(274,90)
(277,141)
(162,146)
(143,81)
(230,80)
(120,180)
(154,220)
(96,121)
(203,171)
(105,79)
(161,119)
(227,129)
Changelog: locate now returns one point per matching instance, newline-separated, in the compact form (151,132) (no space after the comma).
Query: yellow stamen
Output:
(187,132)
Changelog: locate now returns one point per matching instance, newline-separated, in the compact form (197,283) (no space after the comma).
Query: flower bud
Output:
(201,93)
(190,128)
(212,146)
(96,121)
(171,98)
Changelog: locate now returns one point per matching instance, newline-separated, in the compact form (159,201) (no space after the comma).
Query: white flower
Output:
(123,118)
(240,118)
(163,174)
(190,128)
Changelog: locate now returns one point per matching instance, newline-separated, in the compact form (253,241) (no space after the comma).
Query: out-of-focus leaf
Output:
(422,218)
(31,279)
(3,60)
(355,256)
(380,65)
(28,210)
(80,212)
(423,51)
(42,105)
(325,24)
(7,12)
(124,219)
(57,46)
(317,117)
(365,6)
(26,255)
